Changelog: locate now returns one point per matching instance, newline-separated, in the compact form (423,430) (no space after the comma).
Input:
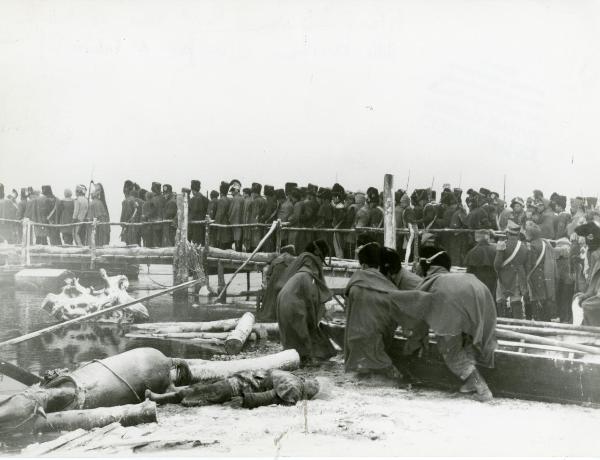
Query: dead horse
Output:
(114,381)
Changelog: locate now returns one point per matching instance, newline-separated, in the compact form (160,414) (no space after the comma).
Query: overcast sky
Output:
(305,91)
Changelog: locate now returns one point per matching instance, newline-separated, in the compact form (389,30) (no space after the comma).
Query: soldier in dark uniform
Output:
(325,215)
(480,260)
(130,213)
(339,214)
(246,231)
(258,208)
(224,235)
(159,211)
(269,215)
(236,213)
(198,209)
(170,228)
(212,205)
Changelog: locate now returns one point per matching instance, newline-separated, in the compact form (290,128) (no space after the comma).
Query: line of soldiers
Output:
(45,208)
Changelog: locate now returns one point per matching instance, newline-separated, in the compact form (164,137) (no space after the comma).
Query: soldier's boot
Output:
(517,309)
(476,384)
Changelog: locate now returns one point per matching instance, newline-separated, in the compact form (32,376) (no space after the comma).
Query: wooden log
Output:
(508,334)
(549,331)
(389,218)
(237,338)
(25,240)
(203,370)
(546,324)
(181,268)
(278,237)
(19,374)
(223,325)
(193,335)
(128,415)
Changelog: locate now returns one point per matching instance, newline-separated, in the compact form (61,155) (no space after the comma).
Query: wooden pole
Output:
(93,243)
(278,237)
(25,242)
(416,248)
(206,250)
(508,334)
(389,218)
(221,281)
(181,268)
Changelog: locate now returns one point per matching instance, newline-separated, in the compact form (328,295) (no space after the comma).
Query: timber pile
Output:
(229,335)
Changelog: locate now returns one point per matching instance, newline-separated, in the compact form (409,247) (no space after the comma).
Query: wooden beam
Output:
(389,218)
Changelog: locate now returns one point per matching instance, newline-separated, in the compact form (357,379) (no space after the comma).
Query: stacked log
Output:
(237,338)
(203,370)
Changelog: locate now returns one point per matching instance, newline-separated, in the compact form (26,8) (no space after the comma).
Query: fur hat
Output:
(155,188)
(224,188)
(324,193)
(127,186)
(279,194)
(485,192)
(235,184)
(289,186)
(369,254)
(390,261)
(517,200)
(337,190)
(195,185)
(246,191)
(372,195)
(591,232)
(46,190)
(256,188)
(214,194)
(312,189)
(269,190)
(319,248)
(167,188)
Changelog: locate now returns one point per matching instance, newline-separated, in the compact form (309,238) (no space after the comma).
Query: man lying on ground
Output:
(248,389)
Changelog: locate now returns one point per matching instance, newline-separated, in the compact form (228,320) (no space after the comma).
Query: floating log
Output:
(549,331)
(203,370)
(19,374)
(508,334)
(128,415)
(237,338)
(223,325)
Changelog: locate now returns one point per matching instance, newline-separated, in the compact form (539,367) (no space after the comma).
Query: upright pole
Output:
(25,242)
(93,243)
(389,218)
(205,250)
(278,237)
(181,268)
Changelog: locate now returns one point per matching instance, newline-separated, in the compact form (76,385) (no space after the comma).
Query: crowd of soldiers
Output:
(67,217)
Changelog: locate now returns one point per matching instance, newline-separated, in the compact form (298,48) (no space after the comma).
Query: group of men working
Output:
(55,221)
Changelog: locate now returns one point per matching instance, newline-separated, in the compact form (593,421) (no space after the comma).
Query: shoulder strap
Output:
(513,255)
(539,259)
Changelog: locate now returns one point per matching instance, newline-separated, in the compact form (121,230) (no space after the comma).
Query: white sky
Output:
(301,90)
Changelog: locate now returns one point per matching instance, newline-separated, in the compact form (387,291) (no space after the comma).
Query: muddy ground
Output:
(362,418)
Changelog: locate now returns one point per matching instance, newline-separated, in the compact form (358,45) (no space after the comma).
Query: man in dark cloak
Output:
(159,213)
(590,299)
(372,316)
(130,213)
(274,280)
(338,194)
(258,209)
(375,213)
(98,210)
(246,231)
(47,215)
(197,210)
(295,237)
(563,218)
(541,276)
(149,215)
(169,228)
(480,260)
(212,206)
(301,306)
(247,389)
(224,235)
(462,315)
(325,215)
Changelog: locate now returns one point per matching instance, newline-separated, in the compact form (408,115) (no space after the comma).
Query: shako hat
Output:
(269,190)
(289,186)
(324,193)
(256,188)
(46,190)
(312,189)
(224,188)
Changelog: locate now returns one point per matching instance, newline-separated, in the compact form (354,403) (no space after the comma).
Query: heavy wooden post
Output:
(416,249)
(278,237)
(26,237)
(205,251)
(389,218)
(181,268)
(221,280)
(93,243)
